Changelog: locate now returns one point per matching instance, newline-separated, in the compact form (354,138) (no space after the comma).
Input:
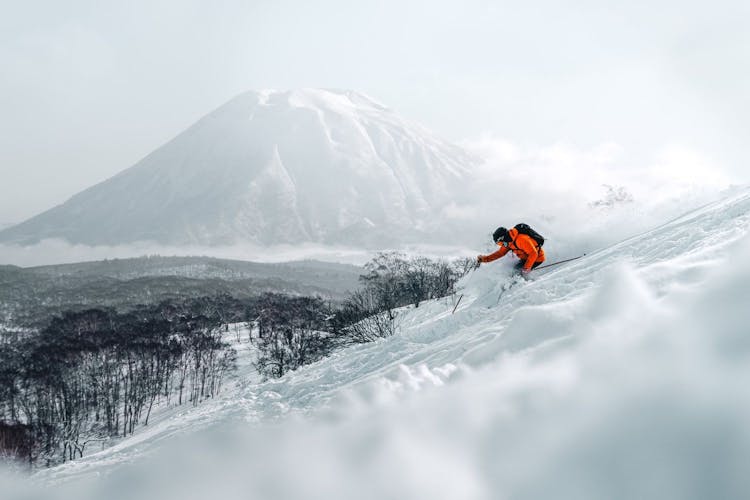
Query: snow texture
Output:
(621,375)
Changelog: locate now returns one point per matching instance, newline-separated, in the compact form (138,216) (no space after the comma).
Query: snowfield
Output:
(621,375)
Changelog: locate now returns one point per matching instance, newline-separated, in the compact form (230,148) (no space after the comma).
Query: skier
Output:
(526,247)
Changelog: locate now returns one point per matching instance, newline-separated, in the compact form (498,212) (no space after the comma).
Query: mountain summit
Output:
(272,167)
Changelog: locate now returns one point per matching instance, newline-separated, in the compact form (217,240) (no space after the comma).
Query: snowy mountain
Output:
(272,167)
(619,375)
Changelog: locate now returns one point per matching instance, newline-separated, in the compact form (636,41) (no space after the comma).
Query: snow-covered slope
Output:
(272,167)
(620,375)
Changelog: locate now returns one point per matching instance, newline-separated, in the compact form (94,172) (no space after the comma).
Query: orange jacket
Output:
(522,245)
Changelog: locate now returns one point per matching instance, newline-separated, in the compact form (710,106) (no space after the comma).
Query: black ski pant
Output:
(520,264)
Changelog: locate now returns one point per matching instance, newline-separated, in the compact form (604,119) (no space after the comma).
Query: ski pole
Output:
(561,262)
(471,275)
(459,301)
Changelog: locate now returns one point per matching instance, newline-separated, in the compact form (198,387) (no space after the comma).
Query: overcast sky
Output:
(90,87)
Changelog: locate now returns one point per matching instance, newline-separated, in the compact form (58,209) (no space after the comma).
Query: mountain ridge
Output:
(271,167)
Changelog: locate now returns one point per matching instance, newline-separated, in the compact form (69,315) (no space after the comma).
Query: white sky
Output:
(88,88)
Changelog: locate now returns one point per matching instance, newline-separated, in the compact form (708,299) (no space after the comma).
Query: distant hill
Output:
(29,296)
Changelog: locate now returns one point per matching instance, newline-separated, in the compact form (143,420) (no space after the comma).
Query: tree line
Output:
(297,331)
(97,374)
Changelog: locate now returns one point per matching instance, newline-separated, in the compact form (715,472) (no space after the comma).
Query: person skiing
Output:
(526,247)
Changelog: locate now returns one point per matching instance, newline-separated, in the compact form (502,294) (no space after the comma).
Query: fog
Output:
(579,199)
(88,89)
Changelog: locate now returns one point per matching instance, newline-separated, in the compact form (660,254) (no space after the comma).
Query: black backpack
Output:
(526,229)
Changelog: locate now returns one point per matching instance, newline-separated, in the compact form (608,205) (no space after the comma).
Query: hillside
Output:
(620,375)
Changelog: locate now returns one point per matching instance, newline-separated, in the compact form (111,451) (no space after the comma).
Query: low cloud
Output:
(55,251)
(579,198)
(566,190)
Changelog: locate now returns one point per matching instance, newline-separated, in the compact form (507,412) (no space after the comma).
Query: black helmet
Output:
(500,234)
